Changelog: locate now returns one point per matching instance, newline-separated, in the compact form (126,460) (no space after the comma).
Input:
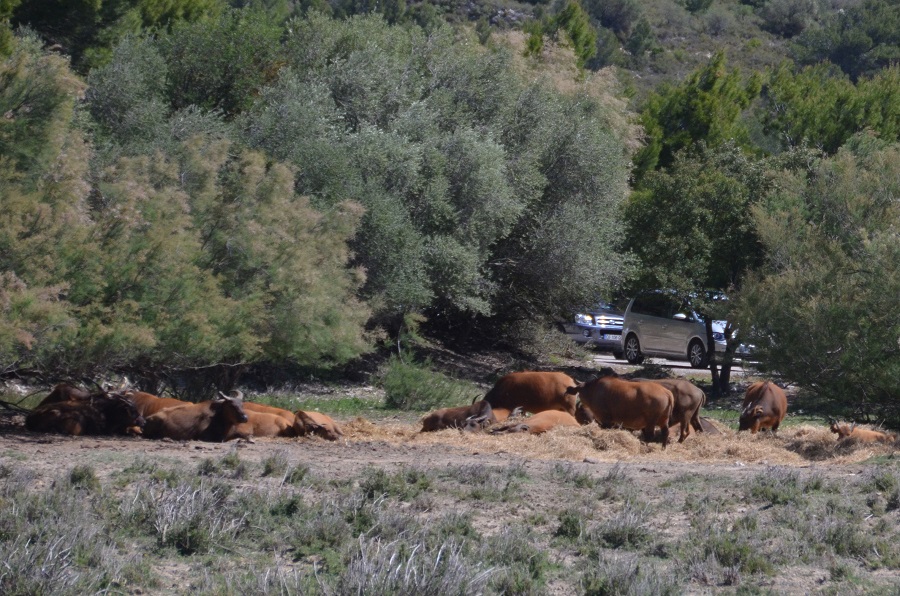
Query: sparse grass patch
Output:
(629,528)
(521,565)
(404,485)
(615,484)
(401,567)
(567,473)
(626,576)
(489,483)
(778,486)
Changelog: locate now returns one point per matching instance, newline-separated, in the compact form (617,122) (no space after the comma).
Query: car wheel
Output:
(697,354)
(633,350)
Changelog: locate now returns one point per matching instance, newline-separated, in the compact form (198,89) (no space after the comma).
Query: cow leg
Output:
(695,421)
(685,431)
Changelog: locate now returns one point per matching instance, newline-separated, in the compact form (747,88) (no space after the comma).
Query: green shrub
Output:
(84,477)
(276,463)
(412,386)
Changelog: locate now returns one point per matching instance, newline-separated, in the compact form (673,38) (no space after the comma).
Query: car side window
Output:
(654,305)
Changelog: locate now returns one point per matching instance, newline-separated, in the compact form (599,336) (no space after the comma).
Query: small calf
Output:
(467,418)
(539,423)
(306,423)
(863,435)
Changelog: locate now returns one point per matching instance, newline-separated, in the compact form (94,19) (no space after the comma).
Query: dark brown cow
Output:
(64,392)
(688,400)
(467,418)
(539,423)
(98,414)
(765,406)
(207,421)
(306,423)
(633,405)
(533,392)
(863,435)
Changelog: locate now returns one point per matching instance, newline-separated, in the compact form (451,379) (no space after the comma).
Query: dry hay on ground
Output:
(792,446)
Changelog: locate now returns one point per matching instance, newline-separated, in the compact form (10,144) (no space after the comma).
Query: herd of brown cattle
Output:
(556,399)
(552,398)
(74,411)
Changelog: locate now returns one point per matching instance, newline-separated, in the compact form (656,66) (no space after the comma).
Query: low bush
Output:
(412,386)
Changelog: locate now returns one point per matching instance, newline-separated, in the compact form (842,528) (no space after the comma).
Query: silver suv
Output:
(658,323)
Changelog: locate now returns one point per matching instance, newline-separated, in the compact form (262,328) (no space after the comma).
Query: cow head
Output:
(749,416)
(583,415)
(231,407)
(121,414)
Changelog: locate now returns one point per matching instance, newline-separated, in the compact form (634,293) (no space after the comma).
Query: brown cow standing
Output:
(765,406)
(533,392)
(688,400)
(98,414)
(863,435)
(633,405)
(539,423)
(206,421)
(306,423)
(467,418)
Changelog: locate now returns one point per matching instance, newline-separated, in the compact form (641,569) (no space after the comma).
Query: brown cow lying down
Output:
(207,421)
(261,424)
(863,435)
(467,418)
(539,423)
(633,405)
(250,406)
(64,392)
(765,406)
(99,414)
(263,421)
(149,404)
(533,392)
(306,423)
(688,400)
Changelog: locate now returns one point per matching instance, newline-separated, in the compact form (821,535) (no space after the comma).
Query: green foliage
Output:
(577,24)
(412,386)
(223,63)
(823,313)
(825,109)
(691,226)
(861,38)
(87,29)
(789,18)
(705,107)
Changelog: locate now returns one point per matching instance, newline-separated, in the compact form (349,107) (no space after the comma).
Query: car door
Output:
(682,326)
(649,317)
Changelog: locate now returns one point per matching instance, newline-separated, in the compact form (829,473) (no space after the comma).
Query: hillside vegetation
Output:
(195,188)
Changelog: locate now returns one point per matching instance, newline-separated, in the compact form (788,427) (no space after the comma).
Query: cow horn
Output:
(238,395)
